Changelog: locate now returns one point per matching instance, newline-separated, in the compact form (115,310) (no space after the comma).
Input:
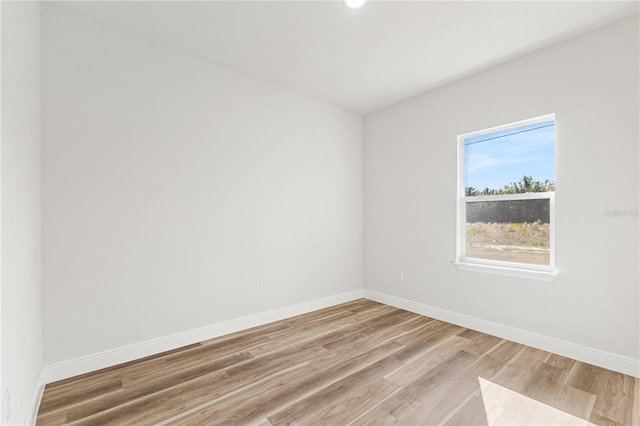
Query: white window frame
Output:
(522,270)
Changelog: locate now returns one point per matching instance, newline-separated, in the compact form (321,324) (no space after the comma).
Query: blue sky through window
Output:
(497,159)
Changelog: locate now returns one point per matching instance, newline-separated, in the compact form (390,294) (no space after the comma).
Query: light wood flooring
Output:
(360,363)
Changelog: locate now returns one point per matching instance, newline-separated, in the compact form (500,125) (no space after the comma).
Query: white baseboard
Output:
(64,370)
(32,414)
(603,359)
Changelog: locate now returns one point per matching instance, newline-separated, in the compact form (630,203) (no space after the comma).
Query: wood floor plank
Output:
(546,385)
(516,373)
(349,404)
(565,398)
(427,361)
(153,408)
(360,363)
(472,412)
(74,386)
(211,351)
(377,415)
(148,387)
(350,357)
(529,375)
(53,419)
(82,393)
(560,361)
(257,401)
(359,391)
(426,338)
(267,397)
(292,337)
(432,396)
(492,362)
(587,377)
(235,377)
(615,402)
(479,343)
(376,332)
(185,367)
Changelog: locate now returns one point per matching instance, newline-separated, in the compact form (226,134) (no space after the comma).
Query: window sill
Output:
(502,270)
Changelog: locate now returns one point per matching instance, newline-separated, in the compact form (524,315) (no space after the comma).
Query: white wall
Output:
(591,83)
(21,206)
(173,186)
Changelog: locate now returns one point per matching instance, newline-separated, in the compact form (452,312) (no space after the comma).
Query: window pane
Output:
(509,231)
(495,161)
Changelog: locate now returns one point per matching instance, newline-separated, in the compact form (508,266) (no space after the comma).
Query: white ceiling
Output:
(364,59)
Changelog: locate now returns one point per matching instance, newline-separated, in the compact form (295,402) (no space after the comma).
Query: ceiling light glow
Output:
(355,4)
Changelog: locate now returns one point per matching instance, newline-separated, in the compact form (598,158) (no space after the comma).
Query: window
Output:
(506,190)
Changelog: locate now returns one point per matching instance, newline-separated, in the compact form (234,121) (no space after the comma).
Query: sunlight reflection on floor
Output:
(503,406)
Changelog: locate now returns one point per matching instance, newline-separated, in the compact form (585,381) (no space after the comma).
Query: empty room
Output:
(320,212)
